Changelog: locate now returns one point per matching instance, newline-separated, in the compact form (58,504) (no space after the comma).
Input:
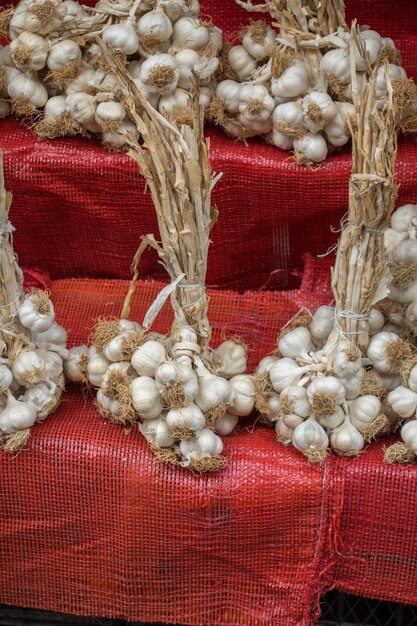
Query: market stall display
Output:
(32,345)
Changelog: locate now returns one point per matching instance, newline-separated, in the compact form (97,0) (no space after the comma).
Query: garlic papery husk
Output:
(202,452)
(109,116)
(310,148)
(318,110)
(241,62)
(6,377)
(243,395)
(259,39)
(174,104)
(404,220)
(255,103)
(148,357)
(292,83)
(347,359)
(56,335)
(226,424)
(189,32)
(29,368)
(230,357)
(43,399)
(376,321)
(82,107)
(212,390)
(97,366)
(177,383)
(403,401)
(346,440)
(367,416)
(353,384)
(114,350)
(85,81)
(174,9)
(54,365)
(285,372)
(395,73)
(294,400)
(153,28)
(27,90)
(184,421)
(337,63)
(110,408)
(403,262)
(337,130)
(266,363)
(387,352)
(117,139)
(16,415)
(281,141)
(332,421)
(156,432)
(75,364)
(29,52)
(37,312)
(146,397)
(325,394)
(122,37)
(311,439)
(322,323)
(39,16)
(160,73)
(295,343)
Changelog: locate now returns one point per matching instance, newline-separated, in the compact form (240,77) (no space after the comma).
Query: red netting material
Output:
(271,210)
(117,534)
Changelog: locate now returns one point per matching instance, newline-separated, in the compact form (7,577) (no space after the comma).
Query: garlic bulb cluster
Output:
(31,370)
(181,401)
(297,92)
(53,71)
(322,392)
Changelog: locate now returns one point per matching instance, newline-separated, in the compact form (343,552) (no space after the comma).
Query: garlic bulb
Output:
(295,343)
(29,89)
(293,82)
(63,53)
(255,103)
(232,359)
(265,364)
(372,42)
(258,40)
(154,26)
(409,434)
(122,37)
(288,115)
(37,312)
(309,435)
(322,323)
(385,351)
(28,368)
(109,115)
(242,397)
(294,400)
(83,82)
(160,73)
(177,101)
(113,351)
(404,220)
(43,399)
(403,401)
(82,108)
(55,107)
(228,90)
(226,424)
(318,110)
(206,444)
(72,363)
(212,390)
(376,321)
(6,377)
(283,432)
(364,410)
(29,51)
(285,372)
(55,334)
(54,365)
(185,418)
(97,367)
(337,131)
(108,406)
(16,415)
(394,72)
(337,63)
(189,32)
(146,398)
(352,384)
(332,421)
(177,382)
(281,141)
(157,433)
(347,359)
(117,139)
(241,62)
(346,439)
(148,357)
(325,386)
(312,147)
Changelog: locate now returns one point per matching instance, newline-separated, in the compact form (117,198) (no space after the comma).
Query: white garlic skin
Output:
(331,422)
(377,351)
(322,323)
(298,398)
(289,113)
(146,398)
(155,24)
(310,434)
(62,53)
(16,415)
(55,334)
(189,32)
(283,432)
(54,365)
(226,424)
(285,372)
(395,72)
(249,93)
(337,131)
(43,399)
(329,384)
(71,363)
(156,432)
(33,320)
(113,350)
(337,62)
(274,408)
(328,110)
(412,379)
(152,64)
(292,83)
(232,359)
(190,417)
(409,434)
(266,363)
(241,62)
(242,397)
(404,218)
(6,377)
(364,410)
(206,444)
(295,343)
(82,107)
(346,438)
(97,366)
(282,141)
(32,44)
(376,321)
(228,90)
(148,357)
(28,363)
(212,390)
(172,372)
(56,106)
(108,404)
(403,401)
(259,50)
(352,384)
(109,112)
(312,146)
(342,366)
(292,420)
(28,88)
(122,37)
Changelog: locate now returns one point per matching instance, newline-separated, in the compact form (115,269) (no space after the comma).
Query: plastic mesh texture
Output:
(271,210)
(117,534)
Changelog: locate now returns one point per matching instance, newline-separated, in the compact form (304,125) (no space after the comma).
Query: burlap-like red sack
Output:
(92,524)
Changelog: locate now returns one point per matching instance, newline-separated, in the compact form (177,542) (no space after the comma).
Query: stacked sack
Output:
(54,73)
(295,90)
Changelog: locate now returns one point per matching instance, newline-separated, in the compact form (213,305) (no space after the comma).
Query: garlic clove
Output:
(16,415)
(226,424)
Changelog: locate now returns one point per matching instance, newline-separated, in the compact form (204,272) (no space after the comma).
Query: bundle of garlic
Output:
(54,73)
(332,383)
(32,345)
(295,87)
(182,393)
